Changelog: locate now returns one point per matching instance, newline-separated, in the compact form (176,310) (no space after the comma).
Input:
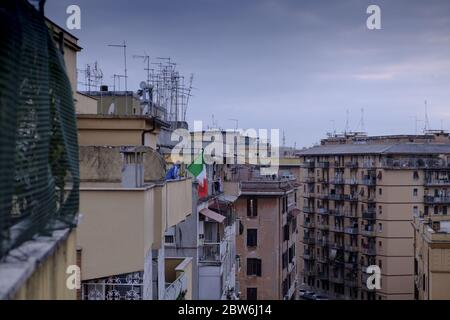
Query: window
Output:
(170,239)
(415,211)
(416,175)
(444,210)
(380,244)
(252,237)
(415,192)
(380,209)
(252,294)
(380,191)
(252,207)
(286,233)
(254,267)
(380,264)
(380,227)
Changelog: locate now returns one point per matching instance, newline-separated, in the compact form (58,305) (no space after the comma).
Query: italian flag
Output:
(198,170)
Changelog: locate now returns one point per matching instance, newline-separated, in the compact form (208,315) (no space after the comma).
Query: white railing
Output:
(176,289)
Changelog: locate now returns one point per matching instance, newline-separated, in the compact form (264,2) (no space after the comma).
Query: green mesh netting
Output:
(39,175)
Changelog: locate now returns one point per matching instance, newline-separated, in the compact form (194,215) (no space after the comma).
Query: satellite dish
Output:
(143,85)
(112,108)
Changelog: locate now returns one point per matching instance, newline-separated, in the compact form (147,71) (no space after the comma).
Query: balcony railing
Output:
(323,196)
(309,224)
(337,229)
(308,209)
(212,252)
(369,181)
(336,197)
(323,227)
(411,163)
(310,179)
(308,256)
(323,259)
(308,164)
(437,182)
(369,214)
(352,197)
(323,211)
(337,212)
(323,164)
(352,165)
(323,276)
(350,230)
(322,242)
(369,250)
(309,194)
(350,248)
(351,181)
(437,200)
(338,180)
(368,232)
(177,288)
(309,240)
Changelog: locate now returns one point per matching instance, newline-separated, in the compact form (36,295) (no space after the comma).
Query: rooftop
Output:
(383,149)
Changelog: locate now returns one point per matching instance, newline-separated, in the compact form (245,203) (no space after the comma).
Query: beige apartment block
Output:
(266,244)
(126,208)
(360,195)
(432,248)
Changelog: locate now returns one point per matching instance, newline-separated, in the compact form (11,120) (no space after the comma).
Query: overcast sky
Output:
(288,64)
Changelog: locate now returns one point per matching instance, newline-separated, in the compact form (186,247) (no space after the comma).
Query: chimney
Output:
(133,167)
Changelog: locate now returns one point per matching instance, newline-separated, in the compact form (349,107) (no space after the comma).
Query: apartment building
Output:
(432,237)
(126,207)
(266,244)
(360,195)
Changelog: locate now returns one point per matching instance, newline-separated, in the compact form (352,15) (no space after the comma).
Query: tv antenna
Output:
(124,46)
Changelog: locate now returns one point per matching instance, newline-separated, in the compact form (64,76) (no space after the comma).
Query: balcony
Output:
(370,199)
(322,211)
(308,209)
(336,197)
(310,180)
(351,265)
(309,224)
(369,181)
(308,164)
(351,248)
(179,200)
(337,229)
(337,246)
(369,214)
(351,282)
(323,196)
(413,163)
(323,259)
(437,200)
(437,183)
(308,256)
(322,242)
(337,278)
(309,272)
(323,227)
(338,181)
(369,232)
(369,250)
(323,181)
(177,278)
(309,240)
(369,164)
(212,252)
(352,182)
(351,164)
(337,212)
(352,197)
(323,276)
(350,230)
(323,164)
(309,195)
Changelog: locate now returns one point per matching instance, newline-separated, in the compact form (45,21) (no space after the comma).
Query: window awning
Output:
(212,215)
(294,212)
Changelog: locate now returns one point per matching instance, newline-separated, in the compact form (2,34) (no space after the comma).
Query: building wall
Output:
(268,223)
(48,281)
